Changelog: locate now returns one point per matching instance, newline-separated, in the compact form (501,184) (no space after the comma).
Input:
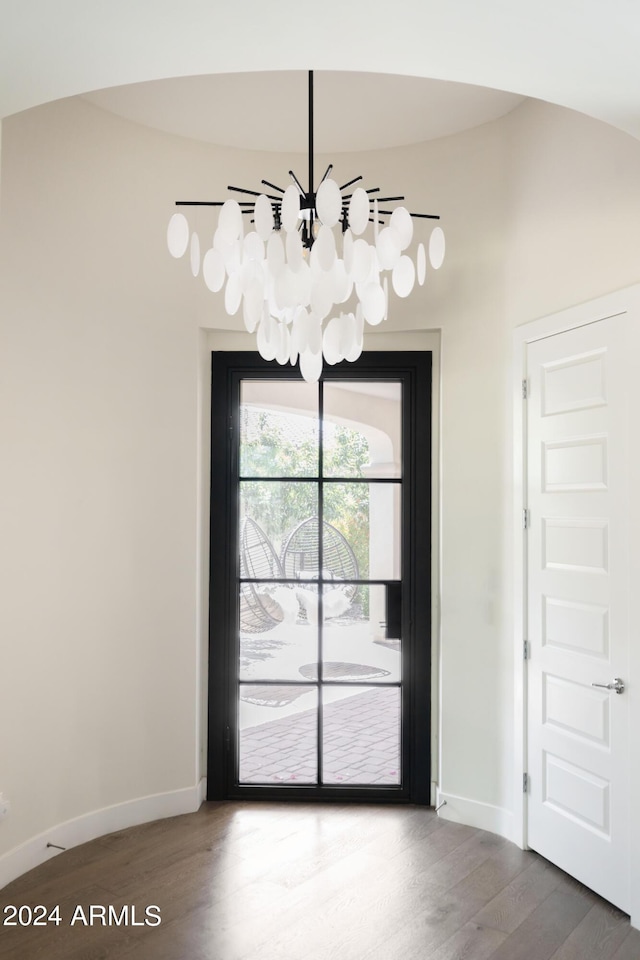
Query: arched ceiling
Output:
(352,111)
(581,54)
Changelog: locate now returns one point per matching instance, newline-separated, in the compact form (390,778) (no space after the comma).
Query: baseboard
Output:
(90,826)
(484,816)
(202,791)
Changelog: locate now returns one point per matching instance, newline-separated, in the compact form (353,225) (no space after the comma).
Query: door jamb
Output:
(611,305)
(217,339)
(414,341)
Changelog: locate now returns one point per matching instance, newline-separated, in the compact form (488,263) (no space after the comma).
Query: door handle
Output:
(393,626)
(617,685)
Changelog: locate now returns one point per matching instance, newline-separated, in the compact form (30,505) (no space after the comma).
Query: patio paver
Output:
(361,743)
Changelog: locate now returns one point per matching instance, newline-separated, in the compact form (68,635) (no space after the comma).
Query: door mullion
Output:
(320,730)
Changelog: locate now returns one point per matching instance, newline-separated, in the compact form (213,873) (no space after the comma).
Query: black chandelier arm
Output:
(370,190)
(350,182)
(254,193)
(212,203)
(250,205)
(327,172)
(297,183)
(272,185)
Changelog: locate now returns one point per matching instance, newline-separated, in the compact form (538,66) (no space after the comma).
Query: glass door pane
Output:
(362,429)
(362,520)
(356,642)
(278,734)
(361,735)
(279,428)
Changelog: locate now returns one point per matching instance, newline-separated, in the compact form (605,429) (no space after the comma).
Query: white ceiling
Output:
(582,54)
(352,111)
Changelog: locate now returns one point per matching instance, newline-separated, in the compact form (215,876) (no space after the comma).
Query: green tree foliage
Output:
(278,445)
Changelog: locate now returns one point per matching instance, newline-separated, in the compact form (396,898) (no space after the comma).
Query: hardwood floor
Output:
(238,881)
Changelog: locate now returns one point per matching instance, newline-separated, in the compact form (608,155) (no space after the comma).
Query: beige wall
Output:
(574,211)
(103,400)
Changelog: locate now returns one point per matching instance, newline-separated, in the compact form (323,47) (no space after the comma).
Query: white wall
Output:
(98,483)
(570,187)
(103,442)
(574,211)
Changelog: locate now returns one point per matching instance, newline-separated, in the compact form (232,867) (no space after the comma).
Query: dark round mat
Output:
(333,670)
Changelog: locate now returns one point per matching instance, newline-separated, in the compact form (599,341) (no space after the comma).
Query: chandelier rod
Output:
(311,195)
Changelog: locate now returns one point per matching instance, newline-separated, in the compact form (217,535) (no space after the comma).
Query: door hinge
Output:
(525,650)
(525,518)
(525,390)
(227,738)
(525,782)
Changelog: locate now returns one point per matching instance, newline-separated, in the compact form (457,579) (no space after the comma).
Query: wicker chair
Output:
(299,559)
(258,560)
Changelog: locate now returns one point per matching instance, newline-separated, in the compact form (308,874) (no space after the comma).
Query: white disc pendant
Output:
(421,264)
(294,250)
(403,224)
(233,294)
(361,265)
(230,220)
(178,235)
(290,209)
(388,248)
(331,342)
(325,248)
(311,366)
(347,250)
(263,217)
(436,248)
(359,211)
(373,303)
(403,276)
(275,254)
(253,247)
(329,202)
(213,270)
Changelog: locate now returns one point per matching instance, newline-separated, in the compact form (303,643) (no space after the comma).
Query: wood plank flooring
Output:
(265,881)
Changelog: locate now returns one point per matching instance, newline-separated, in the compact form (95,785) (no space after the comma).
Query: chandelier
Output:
(306,288)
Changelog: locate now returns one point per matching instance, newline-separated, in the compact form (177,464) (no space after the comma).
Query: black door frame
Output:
(414,369)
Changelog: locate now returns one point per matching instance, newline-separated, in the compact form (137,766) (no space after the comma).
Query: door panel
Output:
(319,681)
(578,596)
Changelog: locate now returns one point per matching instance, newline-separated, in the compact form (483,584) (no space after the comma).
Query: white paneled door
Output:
(577,604)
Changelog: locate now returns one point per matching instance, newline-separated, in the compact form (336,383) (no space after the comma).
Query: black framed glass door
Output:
(320,574)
